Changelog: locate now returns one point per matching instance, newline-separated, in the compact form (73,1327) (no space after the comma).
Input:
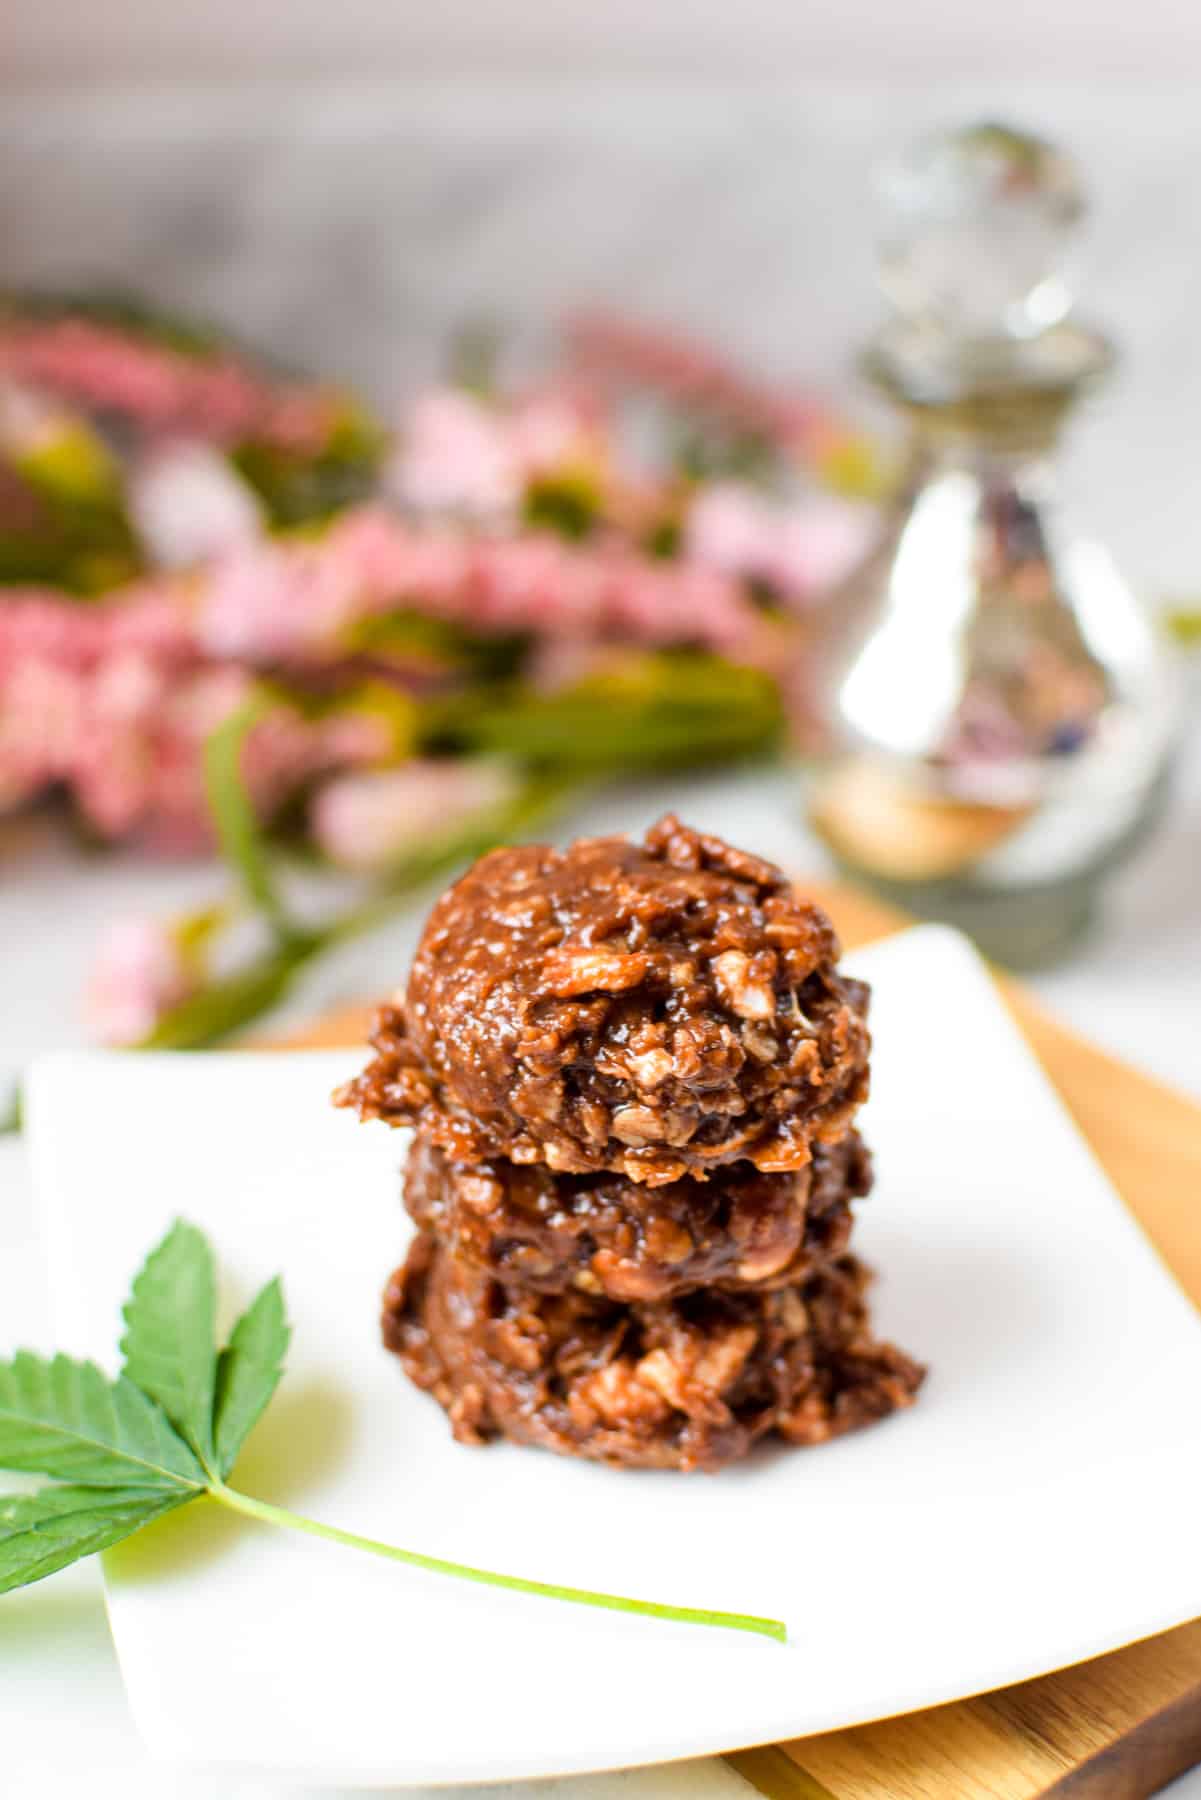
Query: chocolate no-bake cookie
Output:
(633,1069)
(602,1234)
(657,1009)
(685,1384)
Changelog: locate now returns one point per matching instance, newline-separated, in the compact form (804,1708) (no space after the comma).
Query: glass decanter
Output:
(997,710)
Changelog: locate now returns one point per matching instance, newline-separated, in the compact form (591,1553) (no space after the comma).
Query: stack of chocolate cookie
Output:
(633,1071)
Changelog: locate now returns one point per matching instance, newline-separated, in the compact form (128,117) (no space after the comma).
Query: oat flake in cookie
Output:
(657,1009)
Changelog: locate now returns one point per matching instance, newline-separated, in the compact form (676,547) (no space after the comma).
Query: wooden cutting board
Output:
(1114,1729)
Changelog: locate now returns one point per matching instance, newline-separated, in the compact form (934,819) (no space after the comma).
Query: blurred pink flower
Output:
(799,552)
(289,599)
(691,373)
(150,617)
(276,601)
(40,623)
(728,527)
(63,667)
(137,766)
(550,429)
(139,973)
(28,420)
(455,457)
(286,752)
(41,705)
(188,503)
(817,546)
(114,699)
(139,762)
(215,396)
(387,562)
(115,704)
(366,821)
(464,458)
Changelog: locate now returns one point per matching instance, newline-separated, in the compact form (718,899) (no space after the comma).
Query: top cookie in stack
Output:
(657,1009)
(633,1071)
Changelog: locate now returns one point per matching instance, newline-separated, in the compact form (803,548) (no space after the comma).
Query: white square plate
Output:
(1036,1507)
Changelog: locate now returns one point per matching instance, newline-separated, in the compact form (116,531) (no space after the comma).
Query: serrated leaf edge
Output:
(65,1424)
(158,1373)
(114,1515)
(228,1445)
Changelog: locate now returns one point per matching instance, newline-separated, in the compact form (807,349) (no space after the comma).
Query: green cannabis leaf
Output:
(248,1373)
(64,1418)
(43,1532)
(169,1429)
(171,1317)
